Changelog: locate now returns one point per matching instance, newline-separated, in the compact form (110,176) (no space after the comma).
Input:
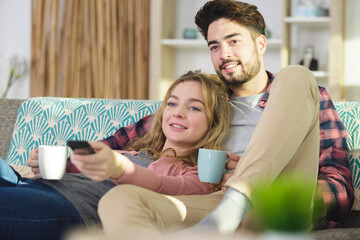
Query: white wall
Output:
(352,50)
(352,43)
(15,25)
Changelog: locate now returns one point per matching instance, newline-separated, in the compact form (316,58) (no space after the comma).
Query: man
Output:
(279,125)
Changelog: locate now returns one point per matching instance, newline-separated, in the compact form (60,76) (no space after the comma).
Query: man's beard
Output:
(249,70)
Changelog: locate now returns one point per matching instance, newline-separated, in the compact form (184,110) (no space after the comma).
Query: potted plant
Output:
(284,208)
(18,70)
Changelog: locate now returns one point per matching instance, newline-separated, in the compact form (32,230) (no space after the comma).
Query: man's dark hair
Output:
(245,14)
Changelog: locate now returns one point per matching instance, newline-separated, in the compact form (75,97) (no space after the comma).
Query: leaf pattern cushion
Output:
(350,114)
(53,121)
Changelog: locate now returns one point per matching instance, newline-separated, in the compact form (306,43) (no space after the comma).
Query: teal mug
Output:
(211,165)
(190,33)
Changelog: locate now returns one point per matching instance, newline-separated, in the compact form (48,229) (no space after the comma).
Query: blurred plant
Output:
(285,205)
(18,70)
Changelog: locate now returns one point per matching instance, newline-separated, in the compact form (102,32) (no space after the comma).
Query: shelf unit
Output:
(168,51)
(308,20)
(201,43)
(184,43)
(332,75)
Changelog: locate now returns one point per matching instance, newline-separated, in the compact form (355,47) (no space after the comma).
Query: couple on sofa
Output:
(272,134)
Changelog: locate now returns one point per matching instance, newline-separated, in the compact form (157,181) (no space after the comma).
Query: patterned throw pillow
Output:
(53,121)
(350,114)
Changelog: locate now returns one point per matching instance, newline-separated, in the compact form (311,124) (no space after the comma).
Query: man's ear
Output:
(261,44)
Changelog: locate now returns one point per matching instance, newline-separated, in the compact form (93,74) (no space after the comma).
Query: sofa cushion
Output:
(350,115)
(53,121)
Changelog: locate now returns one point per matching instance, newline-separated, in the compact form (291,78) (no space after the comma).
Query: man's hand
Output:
(230,165)
(33,162)
(104,163)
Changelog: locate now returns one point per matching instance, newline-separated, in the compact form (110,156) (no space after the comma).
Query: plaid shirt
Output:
(336,194)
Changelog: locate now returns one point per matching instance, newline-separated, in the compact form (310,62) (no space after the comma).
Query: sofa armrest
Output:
(8,112)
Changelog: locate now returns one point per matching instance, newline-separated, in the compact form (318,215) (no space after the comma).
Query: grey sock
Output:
(229,213)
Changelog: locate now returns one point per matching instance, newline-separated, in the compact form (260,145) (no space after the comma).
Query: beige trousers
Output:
(286,139)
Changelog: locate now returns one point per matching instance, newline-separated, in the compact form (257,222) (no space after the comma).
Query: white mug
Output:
(52,161)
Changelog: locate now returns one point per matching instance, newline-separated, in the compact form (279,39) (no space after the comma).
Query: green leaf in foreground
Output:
(285,205)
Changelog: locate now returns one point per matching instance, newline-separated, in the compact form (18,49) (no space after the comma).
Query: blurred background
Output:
(133,49)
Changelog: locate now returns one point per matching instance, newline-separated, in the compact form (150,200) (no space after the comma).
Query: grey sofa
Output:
(349,226)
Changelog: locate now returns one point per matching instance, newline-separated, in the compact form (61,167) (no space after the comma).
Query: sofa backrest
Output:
(53,121)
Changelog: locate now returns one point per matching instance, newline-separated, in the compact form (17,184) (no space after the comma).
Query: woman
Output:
(194,114)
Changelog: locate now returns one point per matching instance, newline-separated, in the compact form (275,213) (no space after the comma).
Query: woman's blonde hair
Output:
(218,113)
